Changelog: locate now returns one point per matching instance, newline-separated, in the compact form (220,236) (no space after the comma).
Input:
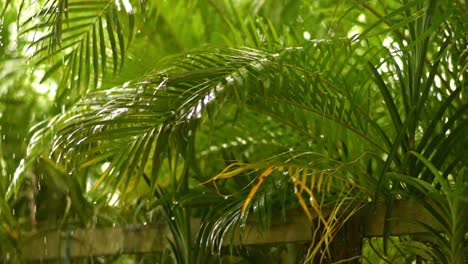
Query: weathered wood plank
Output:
(95,242)
(405,213)
(150,238)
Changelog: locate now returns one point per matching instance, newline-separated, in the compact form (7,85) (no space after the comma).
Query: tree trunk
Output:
(346,245)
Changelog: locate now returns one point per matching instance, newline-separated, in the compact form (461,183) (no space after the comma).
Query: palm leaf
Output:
(74,39)
(447,206)
(133,115)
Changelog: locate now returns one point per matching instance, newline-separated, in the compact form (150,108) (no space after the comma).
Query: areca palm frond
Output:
(345,113)
(172,101)
(448,207)
(177,94)
(328,198)
(80,41)
(147,116)
(79,36)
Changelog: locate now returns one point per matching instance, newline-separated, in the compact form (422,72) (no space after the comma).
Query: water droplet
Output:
(173,218)
(175,203)
(226,197)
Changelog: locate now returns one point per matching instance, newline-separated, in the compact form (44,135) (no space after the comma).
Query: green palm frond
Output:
(170,103)
(216,229)
(8,228)
(178,220)
(78,37)
(448,207)
(318,192)
(311,105)
(222,225)
(176,213)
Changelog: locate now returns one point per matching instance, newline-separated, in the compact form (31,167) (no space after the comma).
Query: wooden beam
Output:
(403,219)
(95,242)
(150,238)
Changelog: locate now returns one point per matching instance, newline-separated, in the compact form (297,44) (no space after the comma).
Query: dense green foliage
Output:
(117,112)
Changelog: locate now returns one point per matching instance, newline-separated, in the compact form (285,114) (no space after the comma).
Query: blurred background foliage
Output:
(123,112)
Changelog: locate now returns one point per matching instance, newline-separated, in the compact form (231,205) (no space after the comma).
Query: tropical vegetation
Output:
(121,112)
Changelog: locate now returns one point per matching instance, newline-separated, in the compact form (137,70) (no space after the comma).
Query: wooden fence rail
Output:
(151,238)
